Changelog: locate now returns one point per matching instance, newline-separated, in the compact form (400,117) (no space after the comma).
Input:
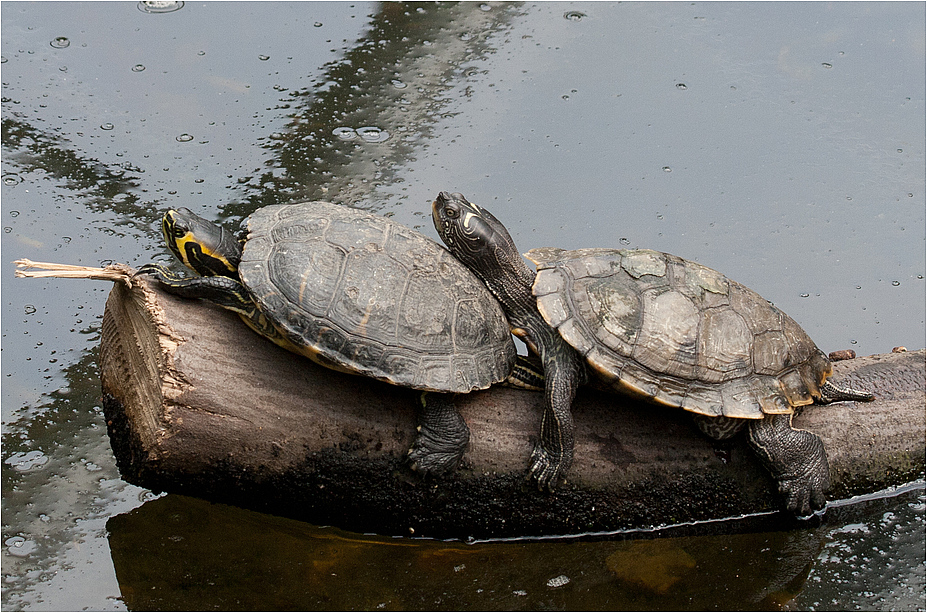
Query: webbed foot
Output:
(796,459)
(545,467)
(442,437)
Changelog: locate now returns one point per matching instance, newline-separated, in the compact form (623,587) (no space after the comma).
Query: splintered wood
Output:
(113,272)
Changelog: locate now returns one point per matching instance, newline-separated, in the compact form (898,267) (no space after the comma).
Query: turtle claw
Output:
(544,468)
(801,496)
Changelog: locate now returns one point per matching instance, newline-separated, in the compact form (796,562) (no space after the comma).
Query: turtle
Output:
(653,325)
(357,293)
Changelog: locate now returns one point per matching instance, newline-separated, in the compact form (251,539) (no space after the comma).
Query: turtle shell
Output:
(678,333)
(361,293)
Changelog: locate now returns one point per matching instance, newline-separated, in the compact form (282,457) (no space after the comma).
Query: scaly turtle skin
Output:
(357,293)
(654,326)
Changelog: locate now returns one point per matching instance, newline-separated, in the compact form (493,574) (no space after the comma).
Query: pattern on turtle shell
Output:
(368,295)
(676,332)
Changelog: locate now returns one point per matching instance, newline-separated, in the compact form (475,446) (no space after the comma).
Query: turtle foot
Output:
(796,460)
(545,468)
(442,438)
(804,494)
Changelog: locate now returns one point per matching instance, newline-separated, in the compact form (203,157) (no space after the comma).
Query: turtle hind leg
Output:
(830,392)
(442,436)
(795,458)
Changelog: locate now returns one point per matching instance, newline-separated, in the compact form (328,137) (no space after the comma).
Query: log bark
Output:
(196,403)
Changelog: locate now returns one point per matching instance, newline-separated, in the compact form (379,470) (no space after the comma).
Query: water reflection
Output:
(370,111)
(176,552)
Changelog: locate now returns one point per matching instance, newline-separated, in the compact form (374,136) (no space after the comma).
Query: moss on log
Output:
(198,404)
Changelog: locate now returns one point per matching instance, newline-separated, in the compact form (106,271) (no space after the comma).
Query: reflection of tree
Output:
(393,80)
(104,188)
(67,464)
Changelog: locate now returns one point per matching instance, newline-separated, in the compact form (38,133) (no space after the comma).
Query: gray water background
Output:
(782,144)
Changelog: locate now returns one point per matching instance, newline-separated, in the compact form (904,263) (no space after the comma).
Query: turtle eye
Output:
(452,212)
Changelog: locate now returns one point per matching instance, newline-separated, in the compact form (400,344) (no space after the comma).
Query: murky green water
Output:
(782,144)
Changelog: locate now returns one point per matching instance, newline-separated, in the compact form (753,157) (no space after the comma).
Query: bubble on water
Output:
(573,15)
(263,58)
(317,24)
(896,283)
(558,581)
(63,68)
(826,65)
(804,295)
(372,134)
(3,60)
(138,68)
(344,133)
(667,169)
(681,86)
(159,6)
(60,43)
(107,126)
(398,84)
(624,241)
(12,179)
(900,150)
(184,138)
(29,309)
(199,180)
(27,461)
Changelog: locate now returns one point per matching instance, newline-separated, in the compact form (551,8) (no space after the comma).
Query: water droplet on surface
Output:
(573,15)
(901,151)
(159,6)
(60,43)
(804,295)
(199,180)
(184,138)
(29,309)
(138,68)
(398,84)
(107,126)
(896,283)
(624,241)
(63,69)
(344,133)
(263,58)
(667,169)
(3,60)
(826,65)
(372,134)
(681,86)
(317,24)
(485,7)
(12,179)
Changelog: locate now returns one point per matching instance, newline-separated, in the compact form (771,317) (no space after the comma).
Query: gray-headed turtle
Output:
(357,293)
(655,326)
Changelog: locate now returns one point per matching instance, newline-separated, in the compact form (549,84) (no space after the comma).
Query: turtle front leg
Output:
(553,454)
(224,291)
(795,458)
(442,436)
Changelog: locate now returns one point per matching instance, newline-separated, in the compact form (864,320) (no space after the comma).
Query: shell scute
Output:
(361,293)
(678,333)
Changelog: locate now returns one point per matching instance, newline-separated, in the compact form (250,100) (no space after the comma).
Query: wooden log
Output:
(197,403)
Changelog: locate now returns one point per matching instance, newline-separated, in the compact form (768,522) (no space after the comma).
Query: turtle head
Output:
(201,245)
(480,241)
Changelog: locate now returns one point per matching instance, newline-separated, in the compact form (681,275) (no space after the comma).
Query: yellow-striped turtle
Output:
(655,326)
(358,293)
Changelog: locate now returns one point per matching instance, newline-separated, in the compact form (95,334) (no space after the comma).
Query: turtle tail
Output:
(831,392)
